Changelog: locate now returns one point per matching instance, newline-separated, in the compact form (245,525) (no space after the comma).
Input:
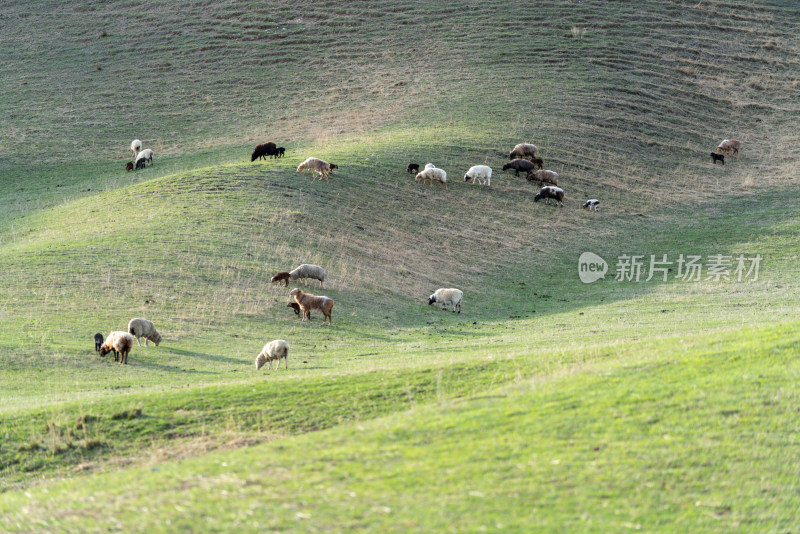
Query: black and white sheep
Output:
(274,350)
(592,204)
(307,270)
(482,173)
(447,296)
(263,150)
(145,155)
(548,192)
(143,328)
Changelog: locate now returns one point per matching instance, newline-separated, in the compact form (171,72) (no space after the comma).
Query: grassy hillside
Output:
(667,404)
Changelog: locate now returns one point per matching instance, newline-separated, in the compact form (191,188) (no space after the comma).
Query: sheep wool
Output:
(307,270)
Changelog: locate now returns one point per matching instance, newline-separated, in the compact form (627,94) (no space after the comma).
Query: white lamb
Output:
(445,296)
(143,328)
(432,174)
(482,173)
(274,350)
(136,147)
(307,270)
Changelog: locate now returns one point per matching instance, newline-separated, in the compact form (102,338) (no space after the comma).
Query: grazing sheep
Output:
(307,270)
(539,162)
(520,165)
(729,146)
(136,147)
(317,166)
(433,174)
(429,166)
(98,341)
(542,176)
(274,350)
(308,302)
(482,173)
(145,155)
(592,203)
(279,152)
(120,343)
(717,157)
(143,328)
(296,307)
(446,296)
(140,164)
(263,150)
(129,166)
(413,168)
(548,192)
(523,150)
(280,277)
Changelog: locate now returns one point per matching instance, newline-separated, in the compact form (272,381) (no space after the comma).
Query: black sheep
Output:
(263,150)
(98,341)
(717,157)
(520,165)
(279,152)
(413,168)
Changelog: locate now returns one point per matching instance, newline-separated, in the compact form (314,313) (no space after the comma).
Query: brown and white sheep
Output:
(729,146)
(543,176)
(317,166)
(523,150)
(281,277)
(274,350)
(308,302)
(548,192)
(120,343)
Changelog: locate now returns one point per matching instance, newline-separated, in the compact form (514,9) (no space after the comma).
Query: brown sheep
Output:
(129,166)
(539,162)
(296,307)
(729,146)
(520,165)
(308,302)
(549,177)
(316,165)
(120,343)
(280,277)
(523,150)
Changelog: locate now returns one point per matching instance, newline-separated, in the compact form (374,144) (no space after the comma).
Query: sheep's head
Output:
(104,349)
(333,166)
(294,292)
(260,361)
(466,177)
(294,306)
(431,299)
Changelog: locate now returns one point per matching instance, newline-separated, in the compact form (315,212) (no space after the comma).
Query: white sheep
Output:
(429,166)
(482,173)
(145,155)
(274,350)
(307,270)
(136,147)
(446,296)
(317,166)
(143,328)
(432,174)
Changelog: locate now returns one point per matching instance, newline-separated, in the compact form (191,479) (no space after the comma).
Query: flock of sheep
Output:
(523,158)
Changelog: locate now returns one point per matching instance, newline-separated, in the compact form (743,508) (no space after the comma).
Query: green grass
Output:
(545,404)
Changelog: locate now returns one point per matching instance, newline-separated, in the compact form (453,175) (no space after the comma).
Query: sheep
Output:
(143,328)
(145,155)
(547,192)
(429,166)
(307,270)
(729,146)
(263,150)
(279,152)
(316,165)
(592,203)
(136,147)
(539,162)
(296,307)
(98,341)
(281,277)
(120,343)
(717,157)
(483,173)
(520,165)
(413,168)
(129,166)
(446,296)
(140,163)
(308,302)
(433,174)
(543,176)
(523,150)
(274,350)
